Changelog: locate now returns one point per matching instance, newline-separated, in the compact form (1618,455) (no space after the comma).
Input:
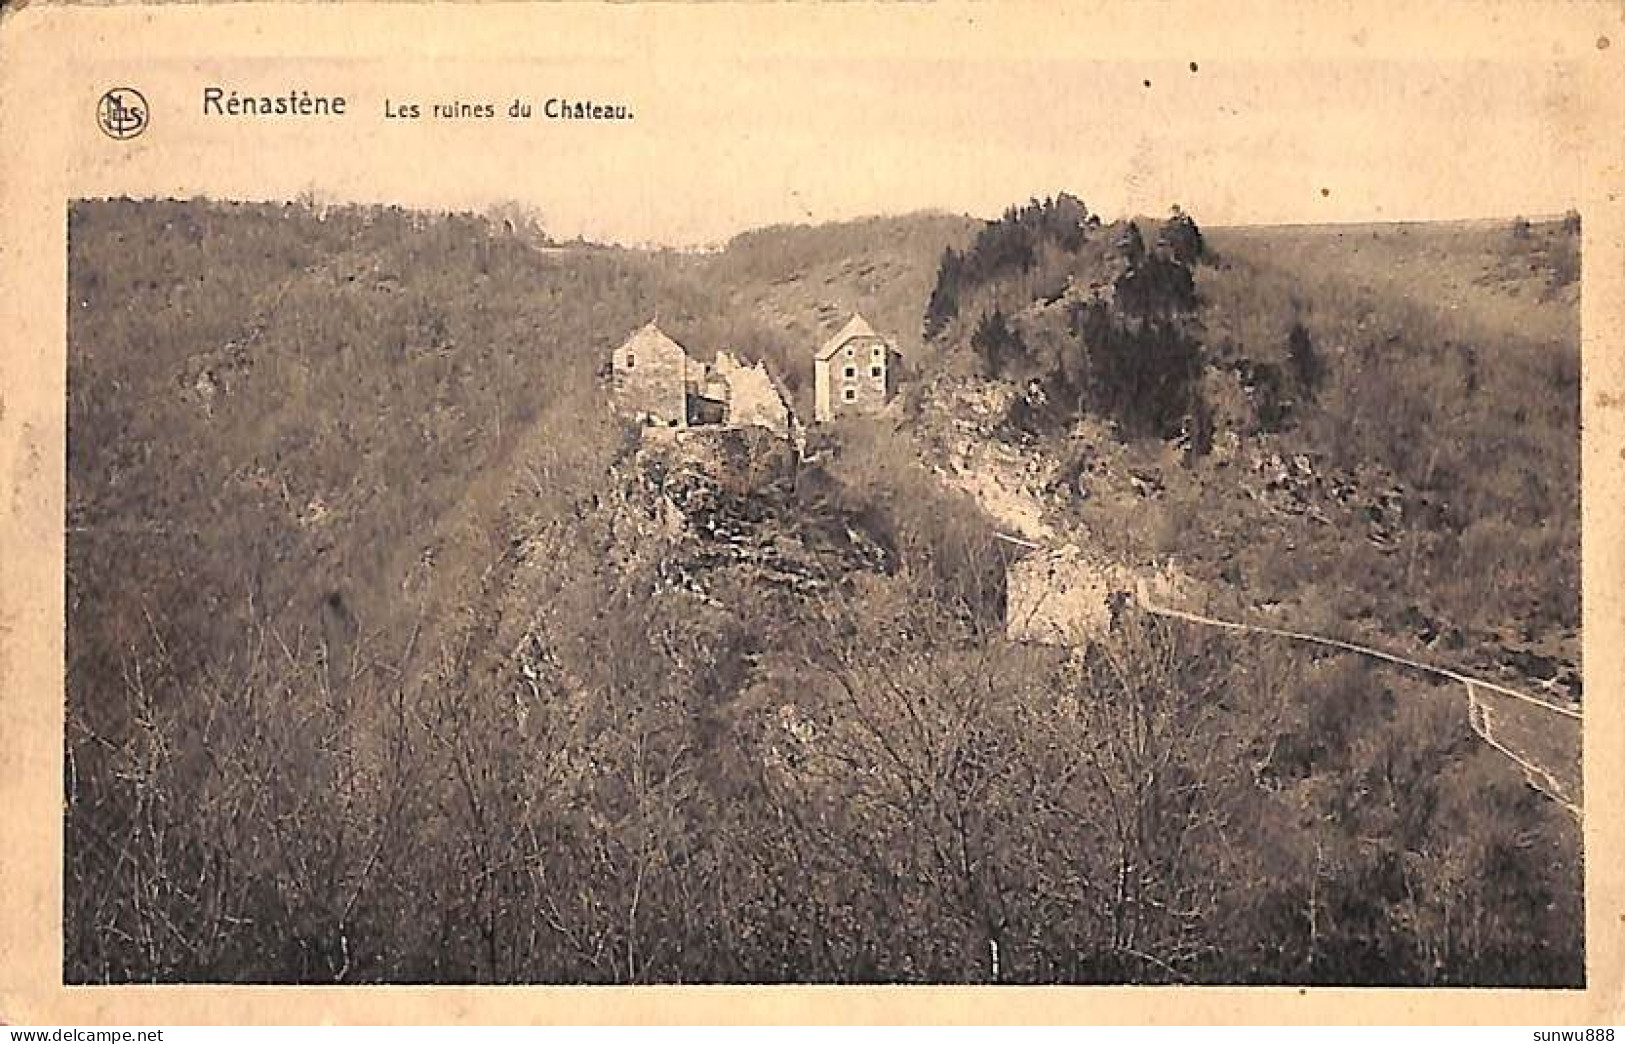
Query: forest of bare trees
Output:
(486,721)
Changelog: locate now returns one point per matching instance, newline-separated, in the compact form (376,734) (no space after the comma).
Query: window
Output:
(880,351)
(849,395)
(874,371)
(851,372)
(630,361)
(849,351)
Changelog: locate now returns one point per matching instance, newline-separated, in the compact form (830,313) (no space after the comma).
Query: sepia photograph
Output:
(778,517)
(902,599)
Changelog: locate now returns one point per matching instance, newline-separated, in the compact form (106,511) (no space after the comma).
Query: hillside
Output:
(278,415)
(395,656)
(1414,387)
(331,399)
(806,281)
(774,293)
(1452,362)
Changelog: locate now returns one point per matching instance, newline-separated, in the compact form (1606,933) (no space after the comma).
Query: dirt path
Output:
(1541,737)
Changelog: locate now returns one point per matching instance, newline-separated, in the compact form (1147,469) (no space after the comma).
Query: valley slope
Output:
(394,656)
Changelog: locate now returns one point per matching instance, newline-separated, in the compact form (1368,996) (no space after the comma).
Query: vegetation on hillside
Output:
(1449,359)
(1431,374)
(395,657)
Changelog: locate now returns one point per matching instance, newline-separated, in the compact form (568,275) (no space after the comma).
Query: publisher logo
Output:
(122,113)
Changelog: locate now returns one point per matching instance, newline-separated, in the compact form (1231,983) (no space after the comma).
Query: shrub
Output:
(1143,374)
(1305,362)
(997,346)
(1181,238)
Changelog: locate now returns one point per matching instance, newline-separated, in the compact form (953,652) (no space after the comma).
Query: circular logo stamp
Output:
(122,113)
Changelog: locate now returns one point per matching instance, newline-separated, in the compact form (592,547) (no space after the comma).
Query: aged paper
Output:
(605,168)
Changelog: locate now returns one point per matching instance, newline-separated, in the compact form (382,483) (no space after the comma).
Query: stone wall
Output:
(740,459)
(821,392)
(1062,597)
(651,373)
(752,397)
(1069,596)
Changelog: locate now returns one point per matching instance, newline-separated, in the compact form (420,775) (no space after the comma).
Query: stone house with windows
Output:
(651,376)
(854,372)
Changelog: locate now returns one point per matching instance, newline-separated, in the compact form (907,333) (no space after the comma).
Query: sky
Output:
(879,111)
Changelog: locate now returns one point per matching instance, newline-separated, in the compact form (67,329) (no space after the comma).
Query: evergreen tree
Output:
(1200,427)
(1142,374)
(1305,362)
(943,307)
(1181,237)
(1131,244)
(997,345)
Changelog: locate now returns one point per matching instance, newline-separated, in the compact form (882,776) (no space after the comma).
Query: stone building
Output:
(1062,597)
(754,395)
(655,381)
(1070,596)
(651,377)
(854,372)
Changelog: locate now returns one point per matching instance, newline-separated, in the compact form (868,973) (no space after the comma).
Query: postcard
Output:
(841,512)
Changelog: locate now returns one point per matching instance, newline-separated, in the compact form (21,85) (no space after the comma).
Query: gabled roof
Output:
(857,326)
(651,338)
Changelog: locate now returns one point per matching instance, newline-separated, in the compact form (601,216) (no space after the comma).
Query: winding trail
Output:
(1496,726)
(1483,720)
(1364,650)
